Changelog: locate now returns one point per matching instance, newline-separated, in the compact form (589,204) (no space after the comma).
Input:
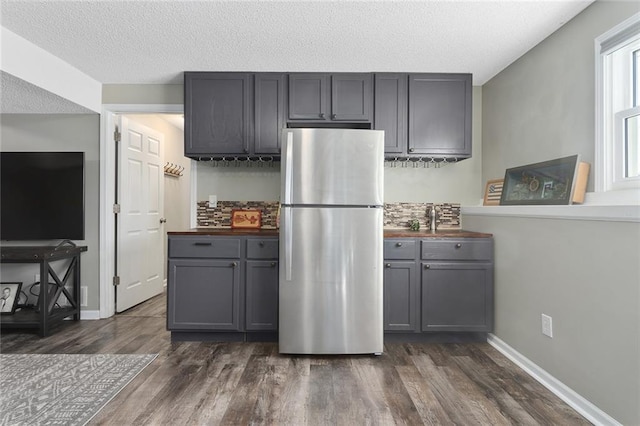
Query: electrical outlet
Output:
(213,201)
(547,325)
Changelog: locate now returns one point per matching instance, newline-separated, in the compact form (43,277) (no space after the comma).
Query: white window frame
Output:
(608,151)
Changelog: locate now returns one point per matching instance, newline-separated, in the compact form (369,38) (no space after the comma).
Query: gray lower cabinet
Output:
(438,285)
(457,296)
(401,296)
(222,284)
(203,294)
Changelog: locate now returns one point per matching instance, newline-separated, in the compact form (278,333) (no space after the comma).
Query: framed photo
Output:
(493,192)
(9,295)
(550,182)
(246,219)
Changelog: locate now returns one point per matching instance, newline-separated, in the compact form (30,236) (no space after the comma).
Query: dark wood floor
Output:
(197,383)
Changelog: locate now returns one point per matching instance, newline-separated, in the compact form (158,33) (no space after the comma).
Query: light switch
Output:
(213,201)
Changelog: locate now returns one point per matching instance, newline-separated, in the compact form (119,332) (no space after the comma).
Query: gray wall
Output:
(62,132)
(584,274)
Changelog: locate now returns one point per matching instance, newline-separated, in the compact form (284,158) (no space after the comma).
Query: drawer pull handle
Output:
(387,265)
(458,245)
(398,244)
(273,264)
(427,266)
(234,264)
(261,243)
(202,244)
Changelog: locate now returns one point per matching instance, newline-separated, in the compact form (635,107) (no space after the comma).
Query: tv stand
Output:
(47,313)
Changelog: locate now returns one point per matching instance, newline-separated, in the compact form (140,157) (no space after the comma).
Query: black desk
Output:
(47,314)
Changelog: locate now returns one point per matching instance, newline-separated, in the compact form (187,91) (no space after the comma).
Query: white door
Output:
(140,234)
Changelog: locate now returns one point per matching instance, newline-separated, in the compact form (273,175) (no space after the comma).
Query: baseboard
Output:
(562,391)
(89,315)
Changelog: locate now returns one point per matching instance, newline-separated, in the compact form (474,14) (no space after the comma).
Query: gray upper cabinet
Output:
(390,111)
(269,112)
(317,97)
(440,115)
(218,109)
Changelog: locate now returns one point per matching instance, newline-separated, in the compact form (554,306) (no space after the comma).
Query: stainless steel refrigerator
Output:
(331,241)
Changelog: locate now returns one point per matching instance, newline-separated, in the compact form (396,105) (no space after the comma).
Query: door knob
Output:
(163,220)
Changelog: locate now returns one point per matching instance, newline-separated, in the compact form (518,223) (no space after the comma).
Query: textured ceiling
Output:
(19,97)
(139,42)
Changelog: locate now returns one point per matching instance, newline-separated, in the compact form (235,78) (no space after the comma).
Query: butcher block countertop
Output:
(388,233)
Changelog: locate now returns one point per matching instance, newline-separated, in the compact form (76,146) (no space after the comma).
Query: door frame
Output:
(107,193)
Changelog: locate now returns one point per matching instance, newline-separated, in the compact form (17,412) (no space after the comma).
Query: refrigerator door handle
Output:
(288,245)
(288,169)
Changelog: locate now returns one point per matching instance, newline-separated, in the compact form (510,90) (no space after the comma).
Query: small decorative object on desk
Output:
(559,181)
(245,219)
(9,295)
(414,224)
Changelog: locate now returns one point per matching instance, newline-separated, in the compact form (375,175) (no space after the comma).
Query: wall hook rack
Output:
(174,170)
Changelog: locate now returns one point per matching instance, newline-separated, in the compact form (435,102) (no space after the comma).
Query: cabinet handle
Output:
(245,150)
(273,264)
(411,149)
(202,244)
(261,243)
(322,115)
(234,264)
(458,245)
(398,244)
(387,265)
(427,266)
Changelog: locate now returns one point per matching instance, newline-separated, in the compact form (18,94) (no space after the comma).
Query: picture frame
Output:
(550,182)
(493,192)
(9,295)
(248,219)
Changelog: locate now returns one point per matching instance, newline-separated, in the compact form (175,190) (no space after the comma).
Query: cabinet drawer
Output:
(400,249)
(211,247)
(262,248)
(457,249)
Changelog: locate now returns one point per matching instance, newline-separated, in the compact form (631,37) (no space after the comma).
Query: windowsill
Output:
(613,206)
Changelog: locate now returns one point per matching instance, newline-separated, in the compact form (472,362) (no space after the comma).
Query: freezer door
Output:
(331,281)
(332,167)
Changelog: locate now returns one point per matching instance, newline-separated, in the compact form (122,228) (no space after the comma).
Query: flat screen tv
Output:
(41,195)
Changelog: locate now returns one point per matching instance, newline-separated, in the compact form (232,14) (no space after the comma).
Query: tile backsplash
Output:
(396,215)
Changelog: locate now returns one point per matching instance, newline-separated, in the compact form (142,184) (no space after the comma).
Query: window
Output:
(618,107)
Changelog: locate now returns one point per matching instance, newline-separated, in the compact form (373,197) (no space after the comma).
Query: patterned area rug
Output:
(62,389)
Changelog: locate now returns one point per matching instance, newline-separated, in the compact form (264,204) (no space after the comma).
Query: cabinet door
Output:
(217,111)
(401,296)
(390,111)
(262,295)
(203,295)
(457,296)
(351,97)
(269,104)
(308,95)
(440,114)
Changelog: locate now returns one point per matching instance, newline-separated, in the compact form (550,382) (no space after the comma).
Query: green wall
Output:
(62,132)
(584,274)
